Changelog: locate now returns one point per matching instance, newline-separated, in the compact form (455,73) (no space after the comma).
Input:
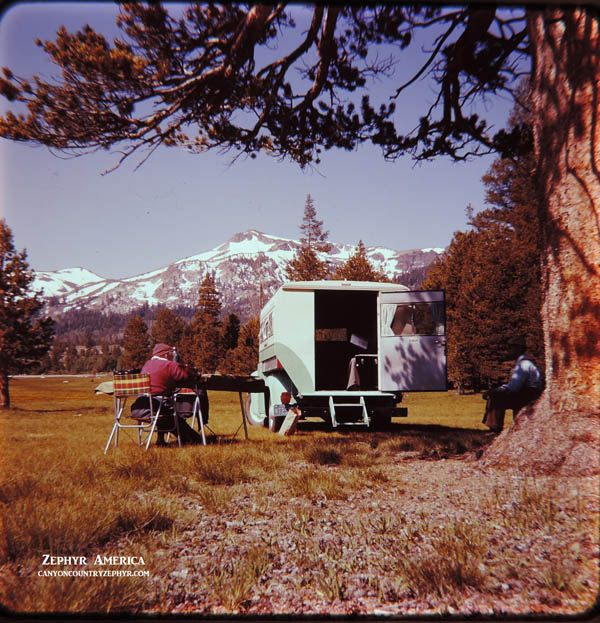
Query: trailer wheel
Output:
(254,419)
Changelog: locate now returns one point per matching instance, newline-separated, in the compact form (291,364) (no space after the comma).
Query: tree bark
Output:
(4,393)
(561,432)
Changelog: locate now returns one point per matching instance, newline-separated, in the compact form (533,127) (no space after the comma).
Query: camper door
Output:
(412,341)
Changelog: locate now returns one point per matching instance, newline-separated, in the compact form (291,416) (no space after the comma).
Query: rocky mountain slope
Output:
(245,264)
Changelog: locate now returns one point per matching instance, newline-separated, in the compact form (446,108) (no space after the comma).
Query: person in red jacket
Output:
(166,376)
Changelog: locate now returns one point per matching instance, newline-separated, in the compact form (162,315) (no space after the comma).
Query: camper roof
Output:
(343,285)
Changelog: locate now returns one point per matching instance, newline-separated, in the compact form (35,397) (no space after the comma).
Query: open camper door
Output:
(412,341)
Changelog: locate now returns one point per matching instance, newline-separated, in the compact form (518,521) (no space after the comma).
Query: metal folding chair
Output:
(135,385)
(187,404)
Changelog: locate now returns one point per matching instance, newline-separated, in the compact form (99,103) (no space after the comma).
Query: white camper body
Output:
(347,350)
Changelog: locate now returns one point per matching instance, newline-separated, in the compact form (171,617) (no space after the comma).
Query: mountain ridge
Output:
(247,266)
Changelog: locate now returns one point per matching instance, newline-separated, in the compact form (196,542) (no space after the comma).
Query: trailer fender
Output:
(294,367)
(255,408)
(258,407)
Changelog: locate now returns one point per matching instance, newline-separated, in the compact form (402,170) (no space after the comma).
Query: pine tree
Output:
(243,359)
(312,229)
(25,335)
(491,276)
(70,359)
(306,265)
(202,343)
(358,268)
(57,352)
(486,293)
(509,189)
(168,328)
(231,332)
(135,343)
(109,358)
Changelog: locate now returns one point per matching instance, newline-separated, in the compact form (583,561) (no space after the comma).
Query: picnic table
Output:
(232,383)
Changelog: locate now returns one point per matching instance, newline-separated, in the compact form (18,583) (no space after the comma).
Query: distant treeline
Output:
(87,341)
(91,327)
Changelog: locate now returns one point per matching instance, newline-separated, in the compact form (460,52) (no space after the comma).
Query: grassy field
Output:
(62,497)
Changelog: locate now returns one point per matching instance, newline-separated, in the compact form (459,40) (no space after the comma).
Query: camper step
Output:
(364,417)
(348,404)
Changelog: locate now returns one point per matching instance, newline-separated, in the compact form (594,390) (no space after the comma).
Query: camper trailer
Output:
(346,351)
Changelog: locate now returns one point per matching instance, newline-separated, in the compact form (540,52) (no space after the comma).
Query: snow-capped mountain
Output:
(245,264)
(64,281)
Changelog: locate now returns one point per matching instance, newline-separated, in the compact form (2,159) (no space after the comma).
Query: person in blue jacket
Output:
(525,385)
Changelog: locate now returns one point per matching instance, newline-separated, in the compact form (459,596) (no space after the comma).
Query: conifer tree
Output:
(109,358)
(312,229)
(202,344)
(491,276)
(70,359)
(168,328)
(358,268)
(513,196)
(306,265)
(25,334)
(243,359)
(57,352)
(231,332)
(135,343)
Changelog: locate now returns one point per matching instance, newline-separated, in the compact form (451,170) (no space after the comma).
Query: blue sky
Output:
(67,214)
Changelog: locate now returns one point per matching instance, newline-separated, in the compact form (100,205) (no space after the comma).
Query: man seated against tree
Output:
(166,376)
(526,384)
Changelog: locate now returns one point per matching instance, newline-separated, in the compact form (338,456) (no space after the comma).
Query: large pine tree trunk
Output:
(561,432)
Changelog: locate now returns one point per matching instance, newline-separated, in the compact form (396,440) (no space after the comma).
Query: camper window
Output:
(412,319)
(402,322)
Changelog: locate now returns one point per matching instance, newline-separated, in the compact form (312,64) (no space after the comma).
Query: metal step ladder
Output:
(363,418)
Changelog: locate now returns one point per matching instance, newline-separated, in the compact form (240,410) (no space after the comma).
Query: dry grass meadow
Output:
(396,522)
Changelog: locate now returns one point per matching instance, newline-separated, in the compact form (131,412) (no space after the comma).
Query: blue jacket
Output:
(524,375)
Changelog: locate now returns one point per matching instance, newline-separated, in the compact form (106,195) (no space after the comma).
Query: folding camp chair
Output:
(134,385)
(187,404)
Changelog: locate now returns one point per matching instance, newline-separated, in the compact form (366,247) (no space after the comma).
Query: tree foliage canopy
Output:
(229,76)
(202,342)
(491,275)
(306,265)
(243,359)
(168,327)
(25,335)
(135,343)
(358,268)
(231,332)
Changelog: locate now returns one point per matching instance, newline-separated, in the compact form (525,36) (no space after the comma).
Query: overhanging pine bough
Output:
(212,79)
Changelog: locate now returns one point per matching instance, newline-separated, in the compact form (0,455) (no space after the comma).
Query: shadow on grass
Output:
(430,441)
(69,410)
(211,440)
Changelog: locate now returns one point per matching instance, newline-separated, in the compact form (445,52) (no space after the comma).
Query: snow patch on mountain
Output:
(57,282)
